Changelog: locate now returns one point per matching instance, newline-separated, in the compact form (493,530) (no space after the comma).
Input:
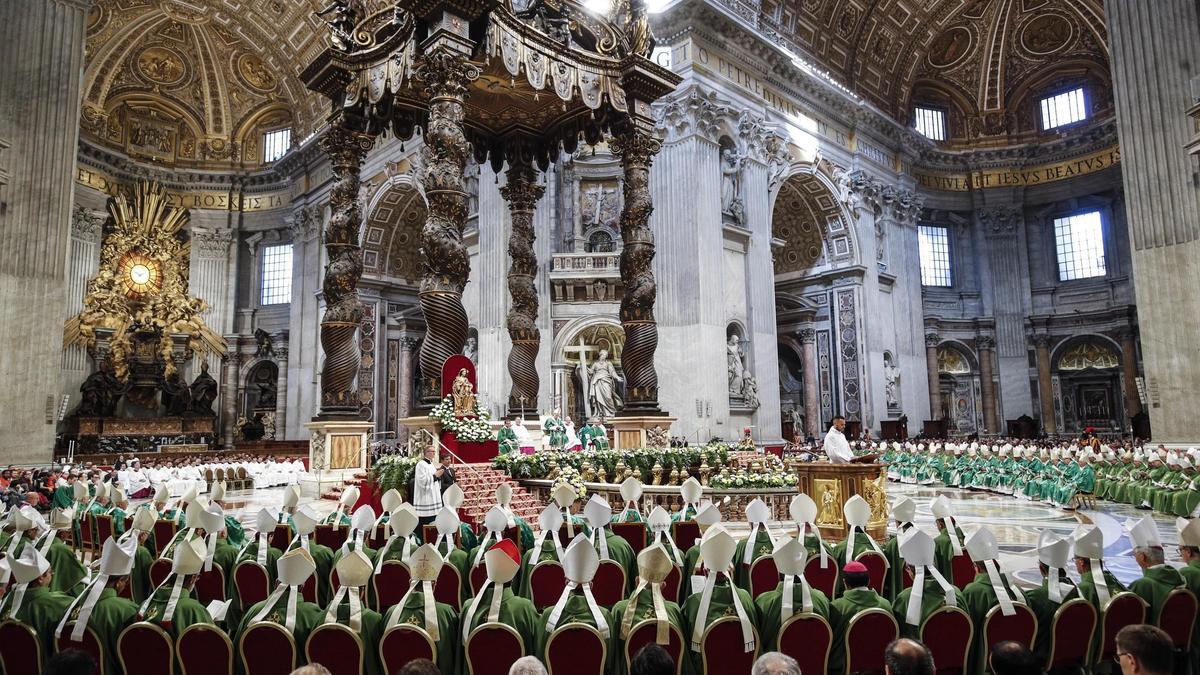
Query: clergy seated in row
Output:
(341,515)
(857,513)
(1158,577)
(418,607)
(1054,553)
(930,590)
(285,606)
(759,544)
(949,541)
(904,512)
(448,545)
(171,605)
(347,608)
(793,595)
(259,550)
(305,521)
(546,545)
(1096,584)
(30,530)
(989,589)
(576,604)
(694,570)
(856,596)
(504,496)
(496,600)
(631,494)
(610,546)
(690,491)
(99,607)
(659,525)
(139,532)
(362,524)
(804,513)
(31,599)
(1189,551)
(718,597)
(646,603)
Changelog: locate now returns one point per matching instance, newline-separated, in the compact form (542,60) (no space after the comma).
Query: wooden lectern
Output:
(830,485)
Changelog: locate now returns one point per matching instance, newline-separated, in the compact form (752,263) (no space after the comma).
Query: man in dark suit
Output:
(447,478)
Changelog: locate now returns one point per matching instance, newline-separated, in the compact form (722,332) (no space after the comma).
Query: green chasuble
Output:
(64,496)
(1044,608)
(844,608)
(111,615)
(507,439)
(188,610)
(234,532)
(894,581)
(980,598)
(139,577)
(721,605)
(225,556)
(41,610)
(1153,587)
(309,615)
(770,605)
(370,633)
(933,598)
(449,643)
(515,612)
(862,542)
(762,549)
(943,551)
(323,556)
(643,611)
(575,611)
(69,574)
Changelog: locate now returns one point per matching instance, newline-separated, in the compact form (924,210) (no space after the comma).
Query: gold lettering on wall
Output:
(213,201)
(1020,177)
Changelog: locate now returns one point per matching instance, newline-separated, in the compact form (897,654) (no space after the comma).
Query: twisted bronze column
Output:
(636,149)
(444,259)
(343,311)
(522,193)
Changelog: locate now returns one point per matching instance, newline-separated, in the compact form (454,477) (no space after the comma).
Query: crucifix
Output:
(597,194)
(582,352)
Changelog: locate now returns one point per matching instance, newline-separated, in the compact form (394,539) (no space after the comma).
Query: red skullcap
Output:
(853,567)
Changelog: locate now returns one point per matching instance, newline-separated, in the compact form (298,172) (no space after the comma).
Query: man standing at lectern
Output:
(837,449)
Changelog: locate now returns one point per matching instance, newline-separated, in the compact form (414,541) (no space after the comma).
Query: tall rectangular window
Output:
(1080,243)
(931,123)
(934,245)
(276,144)
(1063,109)
(276,275)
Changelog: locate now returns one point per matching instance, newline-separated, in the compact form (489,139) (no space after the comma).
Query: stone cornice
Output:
(125,169)
(1096,137)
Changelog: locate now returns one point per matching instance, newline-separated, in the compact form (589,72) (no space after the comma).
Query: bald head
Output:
(908,657)
(776,663)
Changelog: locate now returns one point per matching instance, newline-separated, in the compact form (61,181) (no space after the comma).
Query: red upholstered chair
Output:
(429,534)
(378,536)
(513,534)
(948,634)
(146,649)
(1178,617)
(492,648)
(336,647)
(576,649)
(547,581)
(267,649)
(477,577)
(90,644)
(87,543)
(877,568)
(609,584)
(867,637)
(22,651)
(1071,635)
(824,579)
(390,583)
(308,590)
(764,576)
(204,649)
(634,533)
(672,584)
(327,536)
(164,532)
(159,570)
(685,533)
(1020,627)
(962,568)
(281,536)
(252,582)
(448,588)
(403,643)
(908,577)
(646,632)
(210,585)
(104,530)
(1123,609)
(808,639)
(722,649)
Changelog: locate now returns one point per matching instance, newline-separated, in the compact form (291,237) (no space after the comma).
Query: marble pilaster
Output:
(932,340)
(812,406)
(1129,370)
(1045,384)
(281,359)
(986,346)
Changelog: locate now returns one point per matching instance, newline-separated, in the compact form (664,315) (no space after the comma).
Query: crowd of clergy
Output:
(46,585)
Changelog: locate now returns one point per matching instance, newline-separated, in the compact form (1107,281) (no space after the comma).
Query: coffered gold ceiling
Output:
(197,81)
(980,58)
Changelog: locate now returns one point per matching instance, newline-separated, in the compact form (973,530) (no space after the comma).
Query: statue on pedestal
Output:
(463,395)
(602,394)
(177,398)
(734,365)
(204,392)
(100,393)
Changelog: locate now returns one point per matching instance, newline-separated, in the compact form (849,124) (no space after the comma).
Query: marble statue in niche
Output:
(735,364)
(602,390)
(732,164)
(891,377)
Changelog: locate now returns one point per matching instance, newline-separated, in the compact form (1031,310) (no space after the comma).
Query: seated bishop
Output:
(30,530)
(610,546)
(31,600)
(694,569)
(659,522)
(362,524)
(285,606)
(171,605)
(690,491)
(453,498)
(401,541)
(234,531)
(306,520)
(1096,584)
(904,511)
(347,608)
(857,512)
(856,597)
(448,527)
(988,590)
(930,590)
(645,604)
(949,540)
(1053,555)
(719,597)
(496,602)
(341,515)
(576,604)
(140,532)
(759,544)
(495,522)
(631,494)
(99,607)
(793,595)
(546,546)
(419,608)
(1158,578)
(804,513)
(221,553)
(504,495)
(258,549)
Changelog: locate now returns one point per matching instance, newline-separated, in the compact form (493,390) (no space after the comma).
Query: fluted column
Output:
(230,396)
(1041,343)
(446,263)
(41,49)
(987,386)
(343,310)
(522,193)
(812,407)
(406,383)
(932,340)
(1133,404)
(637,149)
(281,399)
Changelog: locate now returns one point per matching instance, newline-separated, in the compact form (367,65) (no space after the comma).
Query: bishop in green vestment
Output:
(31,600)
(790,557)
(930,590)
(857,596)
(1056,589)
(724,598)
(100,608)
(187,564)
(354,571)
(575,605)
(1158,578)
(294,569)
(496,602)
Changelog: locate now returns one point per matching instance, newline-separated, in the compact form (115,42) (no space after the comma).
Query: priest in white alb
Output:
(836,446)
(427,487)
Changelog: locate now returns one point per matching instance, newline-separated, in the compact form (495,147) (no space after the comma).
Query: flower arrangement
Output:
(467,429)
(572,477)
(744,480)
(644,460)
(394,471)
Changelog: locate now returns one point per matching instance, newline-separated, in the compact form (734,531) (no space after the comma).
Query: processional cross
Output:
(582,351)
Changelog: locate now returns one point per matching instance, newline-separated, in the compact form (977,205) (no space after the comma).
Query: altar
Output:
(830,485)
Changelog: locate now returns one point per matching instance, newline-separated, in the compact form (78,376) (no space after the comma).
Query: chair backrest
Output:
(807,638)
(877,568)
(378,536)
(962,568)
(403,643)
(208,475)
(104,529)
(1021,626)
(672,584)
(825,579)
(1071,634)
(159,570)
(764,576)
(210,585)
(308,590)
(477,576)
(85,531)
(336,647)
(22,651)
(1178,617)
(634,533)
(281,537)
(546,583)
(1123,609)
(146,649)
(390,583)
(448,588)
(576,649)
(164,532)
(429,534)
(90,644)
(646,632)
(251,582)
(948,633)
(867,636)
(722,649)
(267,649)
(492,648)
(327,536)
(609,584)
(685,533)
(204,649)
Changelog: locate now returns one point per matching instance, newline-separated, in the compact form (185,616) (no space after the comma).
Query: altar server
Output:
(1158,577)
(718,597)
(792,596)
(99,607)
(646,603)
(346,608)
(419,607)
(930,590)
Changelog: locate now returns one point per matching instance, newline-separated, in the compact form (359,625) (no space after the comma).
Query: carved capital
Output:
(857,189)
(697,111)
(807,336)
(304,221)
(407,344)
(1041,340)
(522,191)
(636,149)
(932,339)
(86,224)
(212,244)
(903,205)
(445,73)
(1000,221)
(985,342)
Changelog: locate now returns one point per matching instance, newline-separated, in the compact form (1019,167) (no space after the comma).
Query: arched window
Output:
(600,242)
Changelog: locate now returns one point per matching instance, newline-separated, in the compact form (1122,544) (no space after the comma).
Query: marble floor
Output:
(1016,523)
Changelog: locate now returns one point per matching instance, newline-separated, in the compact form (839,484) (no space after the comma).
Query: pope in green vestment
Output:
(506,438)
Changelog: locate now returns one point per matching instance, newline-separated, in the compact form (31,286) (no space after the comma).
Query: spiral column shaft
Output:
(522,193)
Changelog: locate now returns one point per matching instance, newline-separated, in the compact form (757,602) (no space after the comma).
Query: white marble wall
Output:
(304,333)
